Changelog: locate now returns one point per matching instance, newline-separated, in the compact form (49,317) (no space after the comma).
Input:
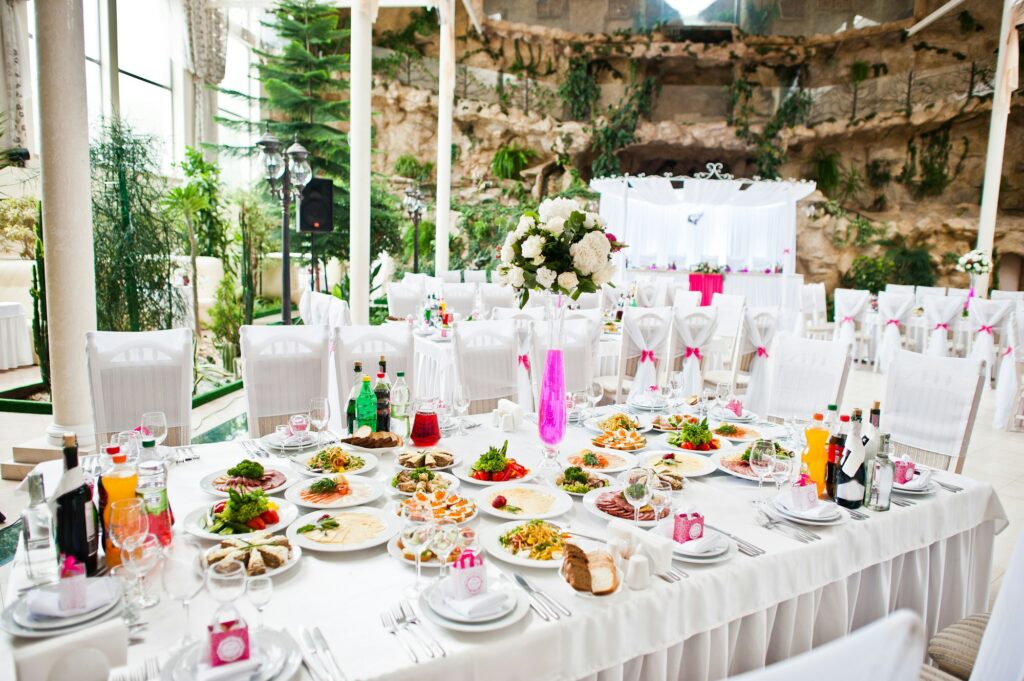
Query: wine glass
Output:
(417,532)
(183,578)
(579,400)
(154,423)
(126,518)
(128,441)
(140,553)
(665,389)
(661,497)
(225,581)
(460,403)
(637,489)
(762,463)
(676,382)
(443,541)
(259,590)
(722,391)
(319,413)
(595,391)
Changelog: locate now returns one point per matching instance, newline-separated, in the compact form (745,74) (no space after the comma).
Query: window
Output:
(239,170)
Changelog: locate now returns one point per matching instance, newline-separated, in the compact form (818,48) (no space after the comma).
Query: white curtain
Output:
(207,49)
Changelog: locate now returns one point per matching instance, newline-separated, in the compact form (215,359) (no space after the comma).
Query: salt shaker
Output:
(638,572)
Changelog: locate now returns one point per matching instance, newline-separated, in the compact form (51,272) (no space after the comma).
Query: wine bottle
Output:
(350,411)
(836,444)
(75,512)
(875,415)
(850,471)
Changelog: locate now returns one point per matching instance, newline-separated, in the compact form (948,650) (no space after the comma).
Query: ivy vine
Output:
(579,90)
(769,147)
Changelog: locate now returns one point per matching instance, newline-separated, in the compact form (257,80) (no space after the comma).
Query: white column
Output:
(364,13)
(445,102)
(996,146)
(67,210)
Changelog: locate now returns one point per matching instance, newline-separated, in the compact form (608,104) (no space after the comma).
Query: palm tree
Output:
(186,202)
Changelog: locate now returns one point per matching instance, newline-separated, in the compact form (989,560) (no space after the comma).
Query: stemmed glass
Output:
(127,518)
(661,497)
(140,553)
(595,391)
(154,423)
(637,489)
(183,578)
(444,540)
(676,383)
(460,403)
(319,414)
(417,533)
(722,391)
(762,463)
(259,590)
(128,443)
(665,389)
(225,581)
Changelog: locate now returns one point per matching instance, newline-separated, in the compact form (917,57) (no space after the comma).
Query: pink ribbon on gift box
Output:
(524,361)
(468,559)
(646,356)
(894,322)
(762,351)
(941,325)
(985,329)
(70,566)
(693,352)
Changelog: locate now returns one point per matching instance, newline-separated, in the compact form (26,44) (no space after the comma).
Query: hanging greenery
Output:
(226,319)
(212,236)
(409,166)
(933,175)
(827,172)
(769,147)
(859,72)
(510,160)
(619,129)
(579,90)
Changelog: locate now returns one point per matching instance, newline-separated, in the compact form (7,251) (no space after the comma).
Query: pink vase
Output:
(552,414)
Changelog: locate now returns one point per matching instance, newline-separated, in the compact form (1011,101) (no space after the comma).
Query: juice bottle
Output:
(119,482)
(816,454)
(152,489)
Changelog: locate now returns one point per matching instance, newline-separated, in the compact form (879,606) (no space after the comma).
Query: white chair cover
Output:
(474,276)
(686,299)
(580,340)
(904,289)
(893,308)
(589,301)
(694,329)
(930,402)
(496,295)
(404,299)
(366,344)
(1005,295)
(960,293)
(761,326)
(939,313)
(986,316)
(133,373)
(645,333)
(452,277)
(1007,385)
(283,368)
(1000,655)
(536,314)
(890,648)
(321,308)
(594,315)
(849,306)
(923,293)
(486,361)
(652,293)
(806,376)
(730,313)
(460,298)
(428,284)
(812,308)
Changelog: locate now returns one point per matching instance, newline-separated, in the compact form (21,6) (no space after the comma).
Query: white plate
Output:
(838,520)
(590,503)
(596,474)
(797,515)
(656,404)
(438,338)
(476,507)
(453,482)
(363,491)
(732,452)
(273,572)
(462,473)
(629,461)
(726,415)
(930,489)
(746,439)
(707,465)
(369,463)
(399,555)
(520,611)
(277,652)
(392,523)
(8,624)
(665,529)
(591,423)
(723,446)
(377,451)
(195,522)
(21,617)
(489,539)
(272,441)
(207,482)
(561,502)
(435,601)
(455,459)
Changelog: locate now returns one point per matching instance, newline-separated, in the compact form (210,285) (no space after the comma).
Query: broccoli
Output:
(575,474)
(247,469)
(243,507)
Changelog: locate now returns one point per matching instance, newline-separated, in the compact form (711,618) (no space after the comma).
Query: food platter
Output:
(593,422)
(726,460)
(427,457)
(452,482)
(685,464)
(295,553)
(207,484)
(593,498)
(535,502)
(618,461)
(195,522)
(463,473)
(369,463)
(361,491)
(444,504)
(372,527)
(491,542)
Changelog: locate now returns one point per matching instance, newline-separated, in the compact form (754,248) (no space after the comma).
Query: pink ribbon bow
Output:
(894,322)
(985,329)
(941,325)
(1009,351)
(693,352)
(847,320)
(762,351)
(646,356)
(524,361)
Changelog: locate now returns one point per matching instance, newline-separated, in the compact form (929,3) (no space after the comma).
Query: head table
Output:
(933,557)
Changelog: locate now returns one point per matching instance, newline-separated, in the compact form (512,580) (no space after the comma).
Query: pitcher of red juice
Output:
(426,431)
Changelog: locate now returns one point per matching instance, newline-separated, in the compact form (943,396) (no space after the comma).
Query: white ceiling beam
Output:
(934,16)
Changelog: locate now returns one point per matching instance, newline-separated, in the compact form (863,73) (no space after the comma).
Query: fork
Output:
(388,622)
(765,521)
(857,515)
(413,619)
(903,503)
(403,623)
(746,547)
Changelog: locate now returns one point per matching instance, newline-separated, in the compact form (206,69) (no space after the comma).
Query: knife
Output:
(315,657)
(318,636)
(552,603)
(543,611)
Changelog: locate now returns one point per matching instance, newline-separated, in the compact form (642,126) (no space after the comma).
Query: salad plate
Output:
(343,531)
(601,460)
(276,652)
(493,467)
(409,481)
(334,460)
(244,475)
(609,502)
(514,500)
(199,521)
(683,464)
(534,543)
(522,607)
(327,491)
(617,420)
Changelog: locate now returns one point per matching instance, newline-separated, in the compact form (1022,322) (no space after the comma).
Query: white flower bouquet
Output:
(974,262)
(559,248)
(706,268)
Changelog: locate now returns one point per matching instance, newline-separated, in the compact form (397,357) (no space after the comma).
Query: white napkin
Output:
(658,549)
(475,607)
(823,510)
(922,478)
(44,602)
(235,670)
(510,407)
(712,542)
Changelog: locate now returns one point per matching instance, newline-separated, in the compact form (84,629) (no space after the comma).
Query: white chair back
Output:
(939,314)
(693,329)
(850,304)
(686,299)
(904,289)
(133,373)
(645,334)
(283,368)
(812,302)
(460,298)
(806,375)
(930,406)
(486,358)
(366,344)
(923,293)
(1011,372)
(961,293)
(1006,295)
(730,313)
(589,301)
(652,292)
(474,276)
(428,284)
(893,308)
(536,314)
(1000,655)
(496,295)
(760,326)
(987,316)
(580,340)
(324,309)
(404,299)
(591,314)
(896,645)
(451,277)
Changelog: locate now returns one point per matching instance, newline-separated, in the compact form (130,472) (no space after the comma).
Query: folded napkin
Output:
(823,510)
(712,543)
(235,670)
(657,548)
(474,607)
(510,407)
(922,478)
(44,602)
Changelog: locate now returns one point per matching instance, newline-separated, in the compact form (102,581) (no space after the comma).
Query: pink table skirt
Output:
(707,284)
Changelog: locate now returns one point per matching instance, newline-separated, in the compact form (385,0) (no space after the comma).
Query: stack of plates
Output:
(432,605)
(276,653)
(682,553)
(296,443)
(647,403)
(728,415)
(18,620)
(833,516)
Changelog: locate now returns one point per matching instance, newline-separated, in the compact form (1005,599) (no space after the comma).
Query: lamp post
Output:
(414,207)
(293,175)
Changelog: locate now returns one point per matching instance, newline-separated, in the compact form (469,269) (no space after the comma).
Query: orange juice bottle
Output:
(816,455)
(118,483)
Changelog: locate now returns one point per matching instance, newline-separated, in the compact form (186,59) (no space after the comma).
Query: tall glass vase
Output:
(552,414)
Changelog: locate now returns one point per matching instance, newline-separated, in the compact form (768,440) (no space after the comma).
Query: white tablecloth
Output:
(760,290)
(15,340)
(934,558)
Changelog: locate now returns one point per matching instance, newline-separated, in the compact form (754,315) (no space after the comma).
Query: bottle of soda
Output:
(400,403)
(382,391)
(152,489)
(366,405)
(836,444)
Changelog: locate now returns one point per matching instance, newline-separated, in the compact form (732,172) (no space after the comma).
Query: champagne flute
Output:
(637,490)
(259,590)
(460,403)
(661,496)
(154,423)
(417,531)
(225,581)
(762,463)
(140,553)
(183,578)
(319,414)
(676,382)
(443,541)
(595,391)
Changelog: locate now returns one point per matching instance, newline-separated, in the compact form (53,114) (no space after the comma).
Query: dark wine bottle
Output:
(76,514)
(836,444)
(350,411)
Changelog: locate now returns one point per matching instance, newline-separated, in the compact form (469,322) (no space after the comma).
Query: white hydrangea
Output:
(526,223)
(590,253)
(555,226)
(568,281)
(556,208)
(515,277)
(546,277)
(533,246)
(604,275)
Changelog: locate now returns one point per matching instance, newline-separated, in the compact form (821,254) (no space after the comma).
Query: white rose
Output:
(590,220)
(556,208)
(515,277)
(555,226)
(526,223)
(583,258)
(539,260)
(510,238)
(598,242)
(507,253)
(533,246)
(568,280)
(546,277)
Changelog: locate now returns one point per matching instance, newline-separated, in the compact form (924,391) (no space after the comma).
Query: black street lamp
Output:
(414,207)
(293,175)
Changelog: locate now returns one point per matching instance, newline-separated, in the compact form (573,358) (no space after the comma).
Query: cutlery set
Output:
(786,527)
(546,607)
(402,618)
(185,454)
(146,670)
(254,449)
(318,658)
(745,547)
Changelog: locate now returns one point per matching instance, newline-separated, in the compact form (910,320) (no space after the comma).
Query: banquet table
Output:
(15,342)
(934,557)
(759,289)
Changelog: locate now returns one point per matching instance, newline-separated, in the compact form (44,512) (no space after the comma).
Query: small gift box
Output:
(469,576)
(71,591)
(904,470)
(688,527)
(803,494)
(229,641)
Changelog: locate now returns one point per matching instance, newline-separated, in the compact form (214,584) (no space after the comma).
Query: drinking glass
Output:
(298,424)
(225,581)
(637,489)
(722,391)
(595,391)
(130,591)
(183,578)
(259,590)
(154,423)
(579,400)
(460,402)
(417,532)
(129,442)
(661,497)
(319,414)
(140,553)
(676,382)
(665,389)
(762,463)
(127,518)
(443,541)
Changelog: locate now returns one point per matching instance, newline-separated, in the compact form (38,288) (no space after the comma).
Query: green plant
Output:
(132,236)
(879,173)
(769,148)
(226,318)
(18,225)
(868,273)
(185,203)
(851,184)
(212,236)
(407,165)
(40,322)
(851,228)
(911,261)
(510,160)
(859,72)
(827,172)
(579,90)
(619,129)
(934,173)
(761,16)
(255,224)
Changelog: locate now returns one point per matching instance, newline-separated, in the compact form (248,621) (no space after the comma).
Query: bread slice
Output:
(575,569)
(604,579)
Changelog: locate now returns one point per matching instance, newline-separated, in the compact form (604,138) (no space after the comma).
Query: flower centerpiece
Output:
(706,268)
(974,263)
(560,250)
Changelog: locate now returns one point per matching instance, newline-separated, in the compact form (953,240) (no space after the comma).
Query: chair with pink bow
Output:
(1009,413)
(760,327)
(581,338)
(987,318)
(805,375)
(893,309)
(486,362)
(693,329)
(939,313)
(652,292)
(850,305)
(645,333)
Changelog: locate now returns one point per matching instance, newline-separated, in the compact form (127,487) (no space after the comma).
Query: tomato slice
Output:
(480,475)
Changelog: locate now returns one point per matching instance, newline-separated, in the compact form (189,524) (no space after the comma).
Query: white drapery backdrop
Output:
(718,219)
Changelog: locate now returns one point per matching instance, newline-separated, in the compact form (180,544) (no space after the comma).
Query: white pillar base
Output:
(55,433)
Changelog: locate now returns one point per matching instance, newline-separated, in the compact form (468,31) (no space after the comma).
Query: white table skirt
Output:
(15,340)
(760,290)
(934,557)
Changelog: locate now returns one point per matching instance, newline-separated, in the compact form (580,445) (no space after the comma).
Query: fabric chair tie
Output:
(846,320)
(893,322)
(762,351)
(1008,351)
(941,325)
(985,329)
(646,356)
(692,352)
(524,361)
